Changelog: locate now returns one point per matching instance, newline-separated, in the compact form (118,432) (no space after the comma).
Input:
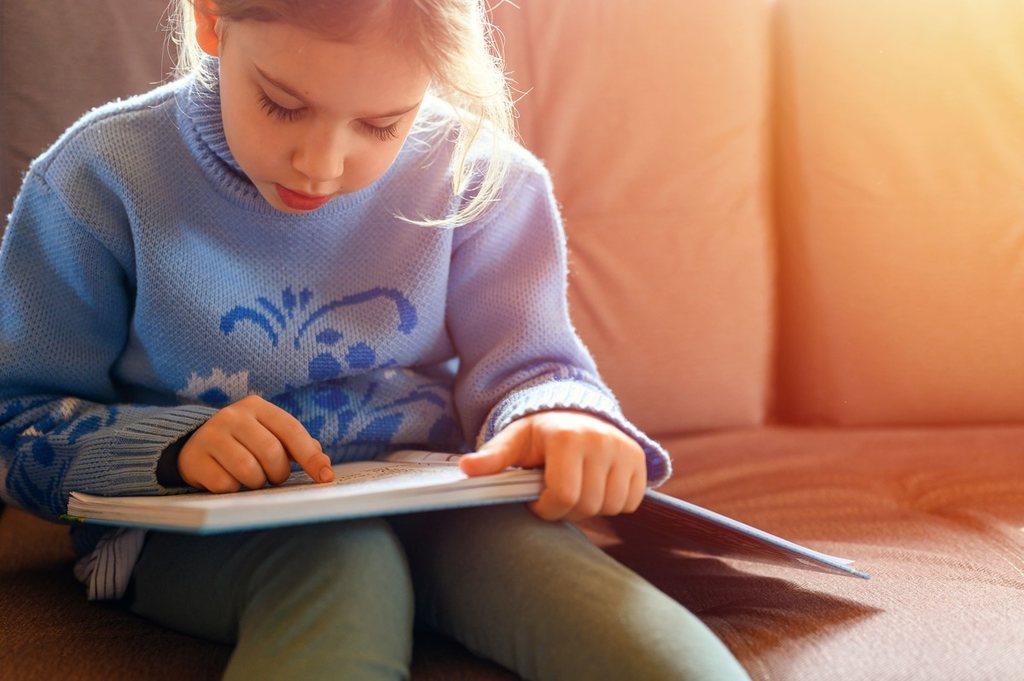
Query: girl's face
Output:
(307,118)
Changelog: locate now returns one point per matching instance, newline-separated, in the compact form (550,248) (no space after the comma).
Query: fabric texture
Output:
(568,612)
(934,515)
(147,284)
(653,119)
(63,57)
(106,570)
(901,212)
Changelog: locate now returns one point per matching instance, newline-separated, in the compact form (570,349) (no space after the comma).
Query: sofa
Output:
(796,234)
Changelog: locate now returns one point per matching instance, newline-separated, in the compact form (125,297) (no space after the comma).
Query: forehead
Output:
(368,67)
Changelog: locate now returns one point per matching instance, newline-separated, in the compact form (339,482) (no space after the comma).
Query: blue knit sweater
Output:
(146,284)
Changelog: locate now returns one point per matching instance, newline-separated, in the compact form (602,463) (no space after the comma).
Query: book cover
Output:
(412,481)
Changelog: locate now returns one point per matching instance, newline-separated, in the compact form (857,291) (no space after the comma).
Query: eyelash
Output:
(272,108)
(382,134)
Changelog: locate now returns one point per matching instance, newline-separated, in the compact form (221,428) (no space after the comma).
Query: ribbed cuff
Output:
(126,463)
(562,394)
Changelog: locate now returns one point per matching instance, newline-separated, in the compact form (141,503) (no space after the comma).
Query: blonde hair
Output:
(452,37)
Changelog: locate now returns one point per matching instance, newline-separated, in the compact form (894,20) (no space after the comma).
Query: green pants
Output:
(337,600)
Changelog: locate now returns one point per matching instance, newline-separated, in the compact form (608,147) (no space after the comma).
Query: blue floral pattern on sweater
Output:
(147,284)
(356,400)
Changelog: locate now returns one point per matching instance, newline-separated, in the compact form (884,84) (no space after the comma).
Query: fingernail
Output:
(326,474)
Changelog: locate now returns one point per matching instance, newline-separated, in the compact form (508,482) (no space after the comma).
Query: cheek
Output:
(248,131)
(259,146)
(371,164)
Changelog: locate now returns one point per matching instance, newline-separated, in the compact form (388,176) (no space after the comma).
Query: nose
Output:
(320,156)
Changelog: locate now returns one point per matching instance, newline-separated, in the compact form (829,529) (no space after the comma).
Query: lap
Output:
(534,596)
(204,585)
(540,598)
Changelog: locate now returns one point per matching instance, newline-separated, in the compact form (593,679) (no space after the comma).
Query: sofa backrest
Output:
(807,211)
(879,284)
(900,189)
(61,57)
(653,119)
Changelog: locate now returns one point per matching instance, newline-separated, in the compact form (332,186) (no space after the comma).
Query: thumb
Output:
(496,455)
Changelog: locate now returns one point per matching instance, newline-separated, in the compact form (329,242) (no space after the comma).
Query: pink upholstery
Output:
(47,83)
(935,515)
(653,120)
(901,207)
(880,284)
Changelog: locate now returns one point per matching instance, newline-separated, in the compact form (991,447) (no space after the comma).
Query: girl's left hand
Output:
(590,466)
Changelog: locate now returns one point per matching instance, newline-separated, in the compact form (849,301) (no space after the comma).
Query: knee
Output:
(362,554)
(628,631)
(658,639)
(370,541)
(335,600)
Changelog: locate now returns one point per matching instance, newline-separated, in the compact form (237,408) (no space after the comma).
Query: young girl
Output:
(318,246)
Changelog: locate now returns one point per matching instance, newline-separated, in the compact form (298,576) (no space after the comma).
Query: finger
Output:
(563,476)
(267,449)
(592,489)
(637,490)
(492,460)
(301,447)
(617,490)
(209,475)
(510,447)
(238,461)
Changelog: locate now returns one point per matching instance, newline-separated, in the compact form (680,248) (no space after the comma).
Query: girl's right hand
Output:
(249,443)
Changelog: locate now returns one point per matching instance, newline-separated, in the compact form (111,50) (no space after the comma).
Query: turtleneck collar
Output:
(205,112)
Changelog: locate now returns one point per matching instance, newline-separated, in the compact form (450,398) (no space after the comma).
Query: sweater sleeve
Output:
(508,317)
(64,322)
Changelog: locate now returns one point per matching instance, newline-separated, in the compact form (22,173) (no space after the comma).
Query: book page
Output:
(419,472)
(350,479)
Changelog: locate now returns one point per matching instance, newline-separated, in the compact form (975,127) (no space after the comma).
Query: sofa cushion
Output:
(901,211)
(652,118)
(936,516)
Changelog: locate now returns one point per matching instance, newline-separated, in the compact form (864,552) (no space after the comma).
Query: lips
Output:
(299,201)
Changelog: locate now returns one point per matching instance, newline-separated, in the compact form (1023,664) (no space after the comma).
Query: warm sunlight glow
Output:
(900,227)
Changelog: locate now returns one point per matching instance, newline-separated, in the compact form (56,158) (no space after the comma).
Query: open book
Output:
(410,481)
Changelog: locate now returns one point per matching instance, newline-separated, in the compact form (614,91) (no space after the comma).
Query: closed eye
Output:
(272,108)
(384,134)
